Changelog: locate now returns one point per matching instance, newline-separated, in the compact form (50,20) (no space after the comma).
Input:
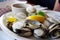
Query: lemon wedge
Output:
(37,18)
(11,19)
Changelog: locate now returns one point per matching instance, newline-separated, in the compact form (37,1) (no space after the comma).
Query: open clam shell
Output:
(54,30)
(25,32)
(18,25)
(38,32)
(54,26)
(33,24)
(55,33)
(48,22)
(31,10)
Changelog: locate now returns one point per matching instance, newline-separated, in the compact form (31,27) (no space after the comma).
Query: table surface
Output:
(4,36)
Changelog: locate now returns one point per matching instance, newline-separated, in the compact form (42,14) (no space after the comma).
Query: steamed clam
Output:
(55,33)
(49,21)
(54,30)
(41,33)
(9,25)
(21,29)
(25,32)
(18,25)
(33,24)
(38,33)
(31,10)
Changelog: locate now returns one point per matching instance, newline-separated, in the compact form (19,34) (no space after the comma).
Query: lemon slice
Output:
(37,18)
(11,19)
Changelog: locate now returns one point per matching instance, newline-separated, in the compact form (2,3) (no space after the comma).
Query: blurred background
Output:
(4,3)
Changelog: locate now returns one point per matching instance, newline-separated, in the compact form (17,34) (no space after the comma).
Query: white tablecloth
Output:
(4,36)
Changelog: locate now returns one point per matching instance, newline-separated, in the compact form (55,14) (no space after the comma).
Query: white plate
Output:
(13,35)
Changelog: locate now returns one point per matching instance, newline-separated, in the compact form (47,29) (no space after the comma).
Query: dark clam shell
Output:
(53,27)
(9,25)
(55,34)
(55,31)
(25,32)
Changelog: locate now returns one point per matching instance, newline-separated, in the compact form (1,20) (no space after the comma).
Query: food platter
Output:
(12,34)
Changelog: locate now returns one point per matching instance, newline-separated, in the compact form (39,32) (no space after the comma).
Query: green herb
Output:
(41,13)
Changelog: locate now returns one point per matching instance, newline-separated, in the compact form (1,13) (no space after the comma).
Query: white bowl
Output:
(9,32)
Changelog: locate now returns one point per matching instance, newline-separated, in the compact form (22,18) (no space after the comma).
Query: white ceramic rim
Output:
(20,3)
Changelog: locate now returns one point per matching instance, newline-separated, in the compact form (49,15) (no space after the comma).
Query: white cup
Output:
(19,7)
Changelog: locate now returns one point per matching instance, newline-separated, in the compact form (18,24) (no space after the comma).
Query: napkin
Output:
(4,10)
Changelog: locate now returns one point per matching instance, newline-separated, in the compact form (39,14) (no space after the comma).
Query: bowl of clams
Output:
(35,25)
